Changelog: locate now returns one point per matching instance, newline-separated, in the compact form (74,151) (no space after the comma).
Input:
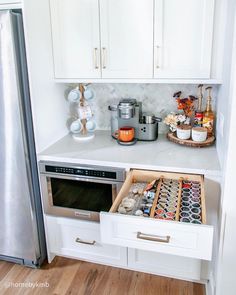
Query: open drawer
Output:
(157,233)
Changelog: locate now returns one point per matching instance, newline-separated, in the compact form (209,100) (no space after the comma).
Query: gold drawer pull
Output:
(161,239)
(96,66)
(78,240)
(104,66)
(158,57)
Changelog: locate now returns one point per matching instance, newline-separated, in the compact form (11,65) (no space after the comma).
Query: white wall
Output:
(48,102)
(223,102)
(227,261)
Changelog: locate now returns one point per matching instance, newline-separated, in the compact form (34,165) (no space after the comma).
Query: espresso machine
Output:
(129,113)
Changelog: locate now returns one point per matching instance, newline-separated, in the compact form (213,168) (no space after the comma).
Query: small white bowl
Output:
(183,131)
(199,134)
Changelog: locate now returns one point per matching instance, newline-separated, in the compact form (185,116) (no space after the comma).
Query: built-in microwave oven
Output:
(79,191)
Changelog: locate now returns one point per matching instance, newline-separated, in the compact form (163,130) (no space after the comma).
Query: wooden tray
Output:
(188,142)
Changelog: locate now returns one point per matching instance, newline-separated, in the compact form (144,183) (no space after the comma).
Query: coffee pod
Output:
(195,210)
(184,219)
(199,134)
(184,214)
(185,204)
(185,209)
(183,131)
(196,205)
(195,221)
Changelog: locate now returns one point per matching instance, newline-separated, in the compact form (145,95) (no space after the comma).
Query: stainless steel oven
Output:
(79,191)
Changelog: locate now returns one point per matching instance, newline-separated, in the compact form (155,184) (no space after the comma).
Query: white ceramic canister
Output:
(199,134)
(183,131)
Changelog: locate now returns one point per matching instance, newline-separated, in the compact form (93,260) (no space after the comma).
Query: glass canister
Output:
(114,119)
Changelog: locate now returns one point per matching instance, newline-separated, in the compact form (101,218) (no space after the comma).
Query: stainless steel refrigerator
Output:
(21,220)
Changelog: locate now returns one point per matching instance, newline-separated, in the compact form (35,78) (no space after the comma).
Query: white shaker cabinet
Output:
(76,42)
(183,38)
(127,38)
(120,45)
(132,39)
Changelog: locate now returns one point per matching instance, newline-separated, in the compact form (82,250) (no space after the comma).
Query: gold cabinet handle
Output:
(95,52)
(104,57)
(78,240)
(161,239)
(158,57)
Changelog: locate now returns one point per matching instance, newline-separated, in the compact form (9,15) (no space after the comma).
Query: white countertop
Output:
(159,155)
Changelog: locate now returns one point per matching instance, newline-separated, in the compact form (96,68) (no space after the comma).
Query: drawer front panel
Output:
(188,240)
(79,239)
(165,265)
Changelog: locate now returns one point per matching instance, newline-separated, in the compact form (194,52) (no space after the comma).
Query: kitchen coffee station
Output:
(133,193)
(131,124)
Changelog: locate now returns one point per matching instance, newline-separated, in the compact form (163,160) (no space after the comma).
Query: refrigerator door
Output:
(18,220)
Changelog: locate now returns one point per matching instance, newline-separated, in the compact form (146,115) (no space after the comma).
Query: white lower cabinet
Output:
(81,240)
(167,248)
(164,265)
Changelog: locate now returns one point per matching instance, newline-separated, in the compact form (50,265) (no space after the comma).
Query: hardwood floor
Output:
(70,277)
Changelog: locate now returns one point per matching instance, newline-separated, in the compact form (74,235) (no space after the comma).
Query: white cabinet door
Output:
(127,38)
(183,38)
(81,240)
(75,34)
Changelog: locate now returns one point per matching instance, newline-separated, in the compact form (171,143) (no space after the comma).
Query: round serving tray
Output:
(188,142)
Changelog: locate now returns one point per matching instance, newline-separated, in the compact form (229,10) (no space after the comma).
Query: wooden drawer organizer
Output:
(136,176)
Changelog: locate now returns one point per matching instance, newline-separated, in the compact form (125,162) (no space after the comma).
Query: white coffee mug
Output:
(88,94)
(74,95)
(76,126)
(90,125)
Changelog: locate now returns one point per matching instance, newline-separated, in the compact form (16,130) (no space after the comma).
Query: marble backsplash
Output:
(155,98)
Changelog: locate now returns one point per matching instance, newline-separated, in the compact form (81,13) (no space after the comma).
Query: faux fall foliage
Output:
(185,104)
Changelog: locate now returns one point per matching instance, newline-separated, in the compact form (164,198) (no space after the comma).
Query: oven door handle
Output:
(85,179)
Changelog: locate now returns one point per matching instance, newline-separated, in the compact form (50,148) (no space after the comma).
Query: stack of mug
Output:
(83,125)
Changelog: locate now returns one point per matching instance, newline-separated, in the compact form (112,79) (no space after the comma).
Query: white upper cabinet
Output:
(76,42)
(132,39)
(127,38)
(183,38)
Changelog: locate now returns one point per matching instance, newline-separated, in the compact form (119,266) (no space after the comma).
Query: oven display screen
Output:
(90,196)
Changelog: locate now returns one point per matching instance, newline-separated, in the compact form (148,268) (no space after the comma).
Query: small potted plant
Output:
(180,122)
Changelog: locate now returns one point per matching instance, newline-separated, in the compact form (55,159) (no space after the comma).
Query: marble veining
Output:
(156,98)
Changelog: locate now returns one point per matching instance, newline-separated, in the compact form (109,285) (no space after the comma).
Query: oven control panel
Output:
(81,172)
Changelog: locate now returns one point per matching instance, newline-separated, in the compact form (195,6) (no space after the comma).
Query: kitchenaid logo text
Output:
(26,285)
